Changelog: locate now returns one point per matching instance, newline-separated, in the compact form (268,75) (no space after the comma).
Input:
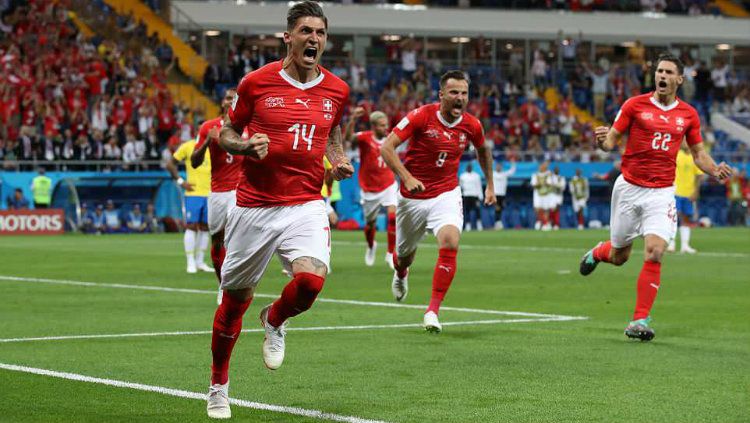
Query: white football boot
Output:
(389,260)
(399,287)
(273,344)
(431,322)
(370,254)
(218,401)
(204,267)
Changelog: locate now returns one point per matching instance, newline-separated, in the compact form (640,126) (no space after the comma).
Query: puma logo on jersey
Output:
(447,135)
(446,268)
(664,118)
(302,102)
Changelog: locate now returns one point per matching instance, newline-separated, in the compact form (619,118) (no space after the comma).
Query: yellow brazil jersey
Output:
(685,175)
(335,193)
(199,177)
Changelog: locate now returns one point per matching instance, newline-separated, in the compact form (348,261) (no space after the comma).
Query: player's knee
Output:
(620,258)
(654,253)
(309,284)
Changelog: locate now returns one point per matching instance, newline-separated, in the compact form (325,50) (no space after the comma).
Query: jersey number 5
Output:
(660,141)
(301,131)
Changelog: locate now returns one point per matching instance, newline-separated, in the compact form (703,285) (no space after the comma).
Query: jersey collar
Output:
(302,86)
(661,106)
(445,123)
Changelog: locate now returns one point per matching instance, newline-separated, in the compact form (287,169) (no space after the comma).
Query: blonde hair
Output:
(376,115)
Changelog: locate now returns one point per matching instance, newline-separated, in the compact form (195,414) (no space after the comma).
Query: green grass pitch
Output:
(697,369)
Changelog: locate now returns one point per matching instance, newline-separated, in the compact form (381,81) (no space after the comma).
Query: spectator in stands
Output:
(85,223)
(599,87)
(112,151)
(471,190)
(99,220)
(136,221)
(17,201)
(741,104)
(151,220)
(112,220)
(719,76)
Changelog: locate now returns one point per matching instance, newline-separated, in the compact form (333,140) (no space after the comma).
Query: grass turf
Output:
(697,369)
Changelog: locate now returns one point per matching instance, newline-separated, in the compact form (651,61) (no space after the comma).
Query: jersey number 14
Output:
(300,131)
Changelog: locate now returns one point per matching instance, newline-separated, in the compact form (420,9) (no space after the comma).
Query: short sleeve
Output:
(202,135)
(343,101)
(693,134)
(624,117)
(477,137)
(182,152)
(409,124)
(241,110)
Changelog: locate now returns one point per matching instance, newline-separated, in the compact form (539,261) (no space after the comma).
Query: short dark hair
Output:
(452,74)
(304,9)
(669,57)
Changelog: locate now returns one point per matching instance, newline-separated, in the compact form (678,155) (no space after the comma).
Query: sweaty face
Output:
(454,97)
(667,78)
(226,102)
(306,41)
(380,127)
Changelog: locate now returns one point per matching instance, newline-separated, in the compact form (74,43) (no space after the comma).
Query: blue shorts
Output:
(196,209)
(684,206)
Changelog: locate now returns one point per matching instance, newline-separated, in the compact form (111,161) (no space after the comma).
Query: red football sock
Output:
(391,232)
(580,218)
(218,252)
(227,327)
(400,271)
(648,287)
(556,217)
(601,253)
(297,296)
(370,234)
(445,270)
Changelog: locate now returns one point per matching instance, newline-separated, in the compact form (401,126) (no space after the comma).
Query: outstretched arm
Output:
(342,167)
(349,138)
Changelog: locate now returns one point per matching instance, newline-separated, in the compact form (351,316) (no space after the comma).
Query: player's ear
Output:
(680,80)
(287,37)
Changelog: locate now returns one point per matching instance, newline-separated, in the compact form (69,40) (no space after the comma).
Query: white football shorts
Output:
(415,217)
(254,234)
(373,201)
(639,211)
(219,204)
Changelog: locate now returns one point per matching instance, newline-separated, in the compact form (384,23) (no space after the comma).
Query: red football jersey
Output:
(655,134)
(225,168)
(435,148)
(297,118)
(374,174)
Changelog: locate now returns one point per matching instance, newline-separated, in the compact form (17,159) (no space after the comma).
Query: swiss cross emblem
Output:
(327,105)
(462,140)
(680,121)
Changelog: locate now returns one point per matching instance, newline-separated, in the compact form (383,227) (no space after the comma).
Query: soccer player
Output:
(541,182)
(643,203)
(197,187)
(292,108)
(500,179)
(471,192)
(557,191)
(687,187)
(376,181)
(430,198)
(579,193)
(225,172)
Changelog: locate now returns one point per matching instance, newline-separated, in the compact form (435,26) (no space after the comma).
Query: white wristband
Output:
(180,181)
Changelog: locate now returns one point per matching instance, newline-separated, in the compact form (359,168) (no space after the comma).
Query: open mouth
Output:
(310,53)
(662,84)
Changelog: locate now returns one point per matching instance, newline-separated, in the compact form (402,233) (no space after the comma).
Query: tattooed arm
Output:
(342,167)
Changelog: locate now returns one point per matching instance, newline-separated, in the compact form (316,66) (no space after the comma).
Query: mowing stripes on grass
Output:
(322,300)
(315,414)
(289,329)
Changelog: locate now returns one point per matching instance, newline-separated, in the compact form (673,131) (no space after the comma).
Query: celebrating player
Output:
(430,198)
(197,187)
(224,175)
(377,183)
(643,201)
(292,109)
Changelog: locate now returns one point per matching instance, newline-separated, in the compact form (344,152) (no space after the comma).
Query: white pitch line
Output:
(322,300)
(292,329)
(315,414)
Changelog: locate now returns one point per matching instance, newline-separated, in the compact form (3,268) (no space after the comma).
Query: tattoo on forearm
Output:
(334,148)
(231,141)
